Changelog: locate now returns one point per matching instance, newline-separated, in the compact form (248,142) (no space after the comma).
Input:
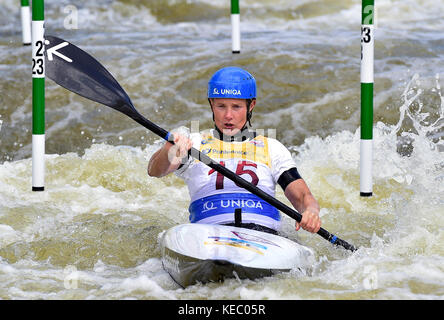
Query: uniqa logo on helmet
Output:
(223,91)
(232,82)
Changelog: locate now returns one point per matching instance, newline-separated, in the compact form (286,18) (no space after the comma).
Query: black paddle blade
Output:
(77,71)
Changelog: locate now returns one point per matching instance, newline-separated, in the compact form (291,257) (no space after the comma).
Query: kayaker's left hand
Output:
(310,220)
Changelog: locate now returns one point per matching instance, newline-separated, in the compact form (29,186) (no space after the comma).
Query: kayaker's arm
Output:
(300,196)
(169,157)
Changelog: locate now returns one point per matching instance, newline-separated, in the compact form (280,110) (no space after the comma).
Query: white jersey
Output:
(214,198)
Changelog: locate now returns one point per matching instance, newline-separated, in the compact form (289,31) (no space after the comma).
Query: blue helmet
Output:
(232,82)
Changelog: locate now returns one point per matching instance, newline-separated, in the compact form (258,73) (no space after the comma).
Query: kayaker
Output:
(265,162)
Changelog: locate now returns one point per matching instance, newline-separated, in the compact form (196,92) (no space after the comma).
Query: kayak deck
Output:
(193,253)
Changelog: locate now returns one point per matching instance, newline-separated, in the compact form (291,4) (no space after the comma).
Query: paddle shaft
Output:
(77,71)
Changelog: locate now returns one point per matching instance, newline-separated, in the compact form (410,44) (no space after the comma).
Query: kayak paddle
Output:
(77,71)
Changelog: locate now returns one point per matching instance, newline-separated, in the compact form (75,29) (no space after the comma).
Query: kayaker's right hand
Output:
(179,149)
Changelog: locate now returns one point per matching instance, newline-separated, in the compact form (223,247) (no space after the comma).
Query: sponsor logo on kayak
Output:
(242,240)
(237,243)
(250,237)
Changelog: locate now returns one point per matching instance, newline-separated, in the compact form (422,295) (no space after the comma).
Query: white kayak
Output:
(193,253)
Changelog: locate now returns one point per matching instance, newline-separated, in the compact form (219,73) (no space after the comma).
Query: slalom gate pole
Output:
(367,61)
(38,96)
(26,22)
(235,26)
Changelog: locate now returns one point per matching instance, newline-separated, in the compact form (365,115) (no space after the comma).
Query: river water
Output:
(93,233)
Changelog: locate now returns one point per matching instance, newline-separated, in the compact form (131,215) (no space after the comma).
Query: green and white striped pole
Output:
(38,96)
(235,26)
(367,52)
(26,22)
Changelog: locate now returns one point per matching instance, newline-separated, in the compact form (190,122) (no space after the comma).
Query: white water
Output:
(93,233)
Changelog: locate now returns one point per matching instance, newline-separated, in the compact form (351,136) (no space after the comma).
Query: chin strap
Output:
(249,113)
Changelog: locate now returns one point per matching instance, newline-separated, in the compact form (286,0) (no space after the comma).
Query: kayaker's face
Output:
(230,115)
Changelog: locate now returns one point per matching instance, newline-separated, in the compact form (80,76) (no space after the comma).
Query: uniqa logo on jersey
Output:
(229,203)
(234,92)
(225,203)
